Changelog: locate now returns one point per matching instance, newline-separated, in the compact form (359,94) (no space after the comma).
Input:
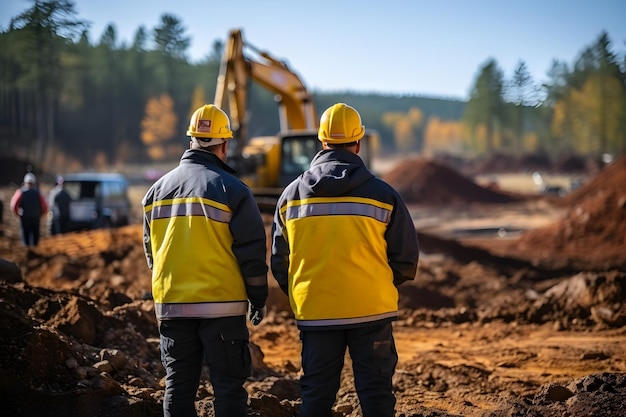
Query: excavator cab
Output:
(298,150)
(268,164)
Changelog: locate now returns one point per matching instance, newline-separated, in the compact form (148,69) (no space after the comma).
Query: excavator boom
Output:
(295,104)
(267,164)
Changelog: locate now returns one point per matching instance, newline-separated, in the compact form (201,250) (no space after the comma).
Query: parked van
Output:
(99,200)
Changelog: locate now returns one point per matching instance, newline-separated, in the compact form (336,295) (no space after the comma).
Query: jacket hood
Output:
(335,172)
(204,157)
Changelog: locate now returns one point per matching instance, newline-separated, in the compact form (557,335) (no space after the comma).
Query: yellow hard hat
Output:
(340,123)
(209,122)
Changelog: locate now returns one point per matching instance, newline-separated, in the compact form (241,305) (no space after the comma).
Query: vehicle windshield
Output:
(81,189)
(298,151)
(107,190)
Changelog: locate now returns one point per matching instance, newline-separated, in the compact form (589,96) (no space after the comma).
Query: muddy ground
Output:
(518,309)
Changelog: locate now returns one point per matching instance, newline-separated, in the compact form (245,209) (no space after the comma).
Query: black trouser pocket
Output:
(236,353)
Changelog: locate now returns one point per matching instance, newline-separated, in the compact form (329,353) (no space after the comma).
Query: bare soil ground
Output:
(518,309)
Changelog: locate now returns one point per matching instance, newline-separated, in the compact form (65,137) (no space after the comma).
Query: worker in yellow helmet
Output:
(342,241)
(204,241)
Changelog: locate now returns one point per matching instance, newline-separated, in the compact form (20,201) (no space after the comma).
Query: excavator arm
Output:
(267,163)
(295,104)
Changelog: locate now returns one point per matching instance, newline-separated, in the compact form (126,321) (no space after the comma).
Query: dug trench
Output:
(531,325)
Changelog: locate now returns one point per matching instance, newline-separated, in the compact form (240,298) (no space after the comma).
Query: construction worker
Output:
(342,241)
(29,205)
(205,242)
(59,202)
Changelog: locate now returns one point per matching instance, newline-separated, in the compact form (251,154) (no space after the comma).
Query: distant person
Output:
(59,203)
(29,205)
(204,240)
(342,241)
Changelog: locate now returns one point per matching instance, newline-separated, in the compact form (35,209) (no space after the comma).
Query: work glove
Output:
(256,314)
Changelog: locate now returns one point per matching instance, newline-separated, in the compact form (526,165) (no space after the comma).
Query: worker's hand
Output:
(256,314)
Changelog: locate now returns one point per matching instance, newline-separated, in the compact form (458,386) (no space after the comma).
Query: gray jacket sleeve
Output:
(147,244)
(250,248)
(402,244)
(279,260)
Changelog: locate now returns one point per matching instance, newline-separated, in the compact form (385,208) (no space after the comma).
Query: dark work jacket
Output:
(204,240)
(342,241)
(31,203)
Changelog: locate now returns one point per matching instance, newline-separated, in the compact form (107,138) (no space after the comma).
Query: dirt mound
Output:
(422,181)
(592,234)
(610,181)
(476,292)
(587,396)
(61,354)
(105,265)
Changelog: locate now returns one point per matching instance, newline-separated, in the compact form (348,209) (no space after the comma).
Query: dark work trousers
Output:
(223,344)
(30,230)
(59,225)
(374,358)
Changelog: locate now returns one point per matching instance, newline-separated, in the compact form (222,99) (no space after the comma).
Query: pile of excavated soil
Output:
(500,329)
(424,181)
(592,234)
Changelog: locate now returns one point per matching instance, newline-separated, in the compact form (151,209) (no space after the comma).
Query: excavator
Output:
(269,163)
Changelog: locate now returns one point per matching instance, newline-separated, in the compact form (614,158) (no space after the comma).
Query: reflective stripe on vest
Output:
(194,206)
(355,206)
(200,310)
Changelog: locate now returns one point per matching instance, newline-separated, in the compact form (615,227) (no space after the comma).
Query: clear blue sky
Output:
(432,48)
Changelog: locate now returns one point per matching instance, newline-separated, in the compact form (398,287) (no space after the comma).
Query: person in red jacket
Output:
(29,205)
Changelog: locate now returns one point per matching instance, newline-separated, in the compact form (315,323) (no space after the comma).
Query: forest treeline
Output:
(67,102)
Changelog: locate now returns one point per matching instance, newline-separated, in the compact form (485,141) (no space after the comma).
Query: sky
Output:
(432,48)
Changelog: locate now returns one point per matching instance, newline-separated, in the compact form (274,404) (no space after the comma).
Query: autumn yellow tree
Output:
(197,100)
(158,128)
(445,136)
(589,111)
(605,111)
(591,118)
(406,128)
